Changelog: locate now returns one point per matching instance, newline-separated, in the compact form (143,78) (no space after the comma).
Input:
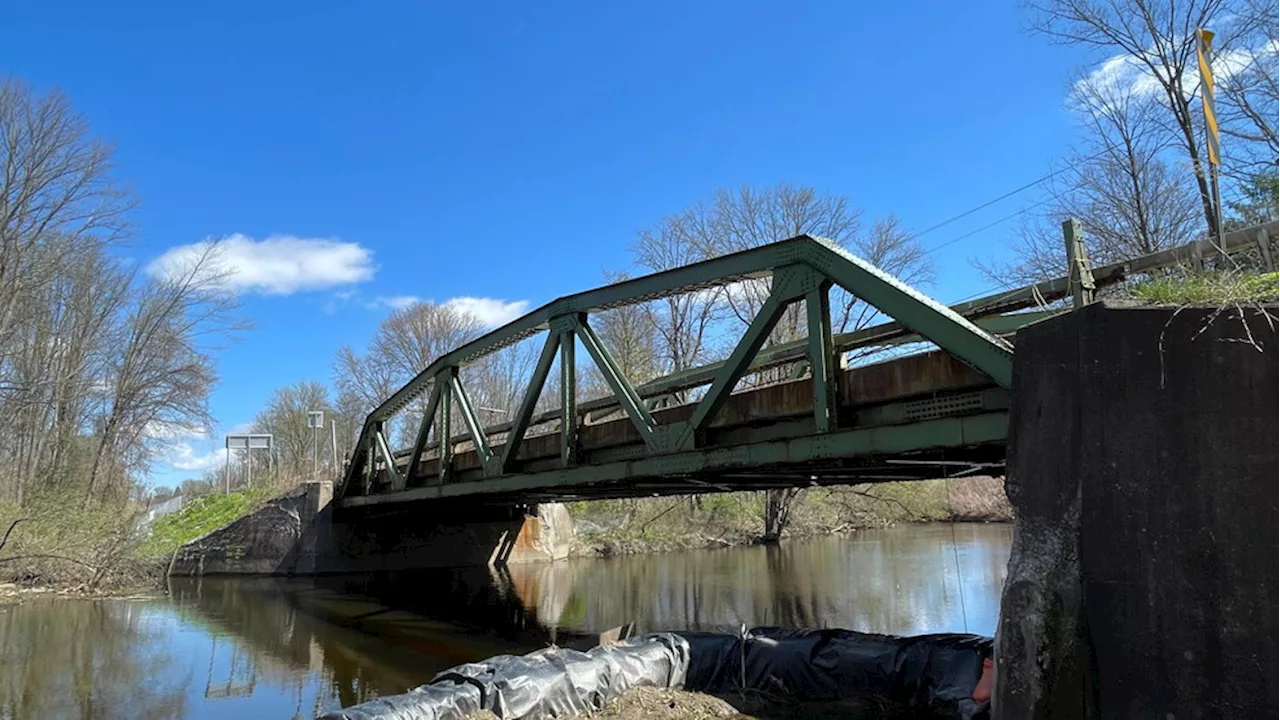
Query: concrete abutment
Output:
(1143,471)
(299,533)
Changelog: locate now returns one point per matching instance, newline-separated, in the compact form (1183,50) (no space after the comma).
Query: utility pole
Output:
(333,442)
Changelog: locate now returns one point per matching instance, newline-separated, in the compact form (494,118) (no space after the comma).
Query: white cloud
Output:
(184,457)
(240,428)
(395,302)
(278,265)
(1120,74)
(489,311)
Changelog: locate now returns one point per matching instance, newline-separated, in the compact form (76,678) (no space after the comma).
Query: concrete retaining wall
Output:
(298,533)
(1143,468)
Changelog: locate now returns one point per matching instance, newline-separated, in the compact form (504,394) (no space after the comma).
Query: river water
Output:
(276,648)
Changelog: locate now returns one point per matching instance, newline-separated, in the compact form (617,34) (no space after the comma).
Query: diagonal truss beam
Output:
(424,430)
(756,335)
(380,441)
(622,388)
(790,283)
(469,417)
(515,436)
(934,321)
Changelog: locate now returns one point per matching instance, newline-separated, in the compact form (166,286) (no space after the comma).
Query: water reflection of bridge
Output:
(363,635)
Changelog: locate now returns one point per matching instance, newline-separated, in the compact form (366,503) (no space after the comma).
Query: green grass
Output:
(199,517)
(1208,289)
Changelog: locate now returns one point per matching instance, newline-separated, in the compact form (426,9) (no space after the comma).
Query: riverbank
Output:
(56,546)
(654,525)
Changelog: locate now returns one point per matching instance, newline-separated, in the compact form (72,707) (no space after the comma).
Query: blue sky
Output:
(509,151)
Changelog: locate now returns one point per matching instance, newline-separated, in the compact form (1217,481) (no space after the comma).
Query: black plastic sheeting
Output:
(932,674)
(548,683)
(935,674)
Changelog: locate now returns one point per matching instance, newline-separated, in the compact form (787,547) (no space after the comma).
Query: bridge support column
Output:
(1142,468)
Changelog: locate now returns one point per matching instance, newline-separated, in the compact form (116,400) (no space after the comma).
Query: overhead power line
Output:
(990,225)
(1005,196)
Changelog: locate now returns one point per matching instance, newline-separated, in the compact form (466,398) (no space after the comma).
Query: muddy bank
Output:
(14,594)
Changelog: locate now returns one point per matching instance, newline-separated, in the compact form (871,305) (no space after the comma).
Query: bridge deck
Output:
(897,420)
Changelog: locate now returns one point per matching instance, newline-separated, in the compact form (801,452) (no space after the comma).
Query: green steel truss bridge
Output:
(939,412)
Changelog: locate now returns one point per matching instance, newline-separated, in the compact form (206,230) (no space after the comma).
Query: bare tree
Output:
(56,193)
(683,322)
(162,373)
(1119,186)
(748,217)
(892,248)
(1157,42)
(410,340)
(1247,92)
(629,334)
(285,417)
(58,351)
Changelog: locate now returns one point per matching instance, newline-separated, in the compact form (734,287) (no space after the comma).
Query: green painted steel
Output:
(568,400)
(622,389)
(940,324)
(469,418)
(822,357)
(424,430)
(397,480)
(539,380)
(446,427)
(987,428)
(798,266)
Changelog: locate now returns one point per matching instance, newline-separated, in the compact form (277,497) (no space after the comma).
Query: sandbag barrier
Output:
(934,674)
(943,676)
(554,682)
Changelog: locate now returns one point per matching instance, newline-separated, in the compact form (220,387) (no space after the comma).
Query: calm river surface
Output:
(274,648)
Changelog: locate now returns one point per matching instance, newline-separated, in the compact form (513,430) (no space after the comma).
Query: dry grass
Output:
(1208,288)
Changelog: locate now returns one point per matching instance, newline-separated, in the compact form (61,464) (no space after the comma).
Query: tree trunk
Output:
(777,512)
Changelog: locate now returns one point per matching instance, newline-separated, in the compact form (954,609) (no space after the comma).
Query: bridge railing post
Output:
(1079,273)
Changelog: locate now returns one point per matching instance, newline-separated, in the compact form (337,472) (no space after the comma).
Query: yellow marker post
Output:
(1204,56)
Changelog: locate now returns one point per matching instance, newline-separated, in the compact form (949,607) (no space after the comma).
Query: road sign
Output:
(315,419)
(249,442)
